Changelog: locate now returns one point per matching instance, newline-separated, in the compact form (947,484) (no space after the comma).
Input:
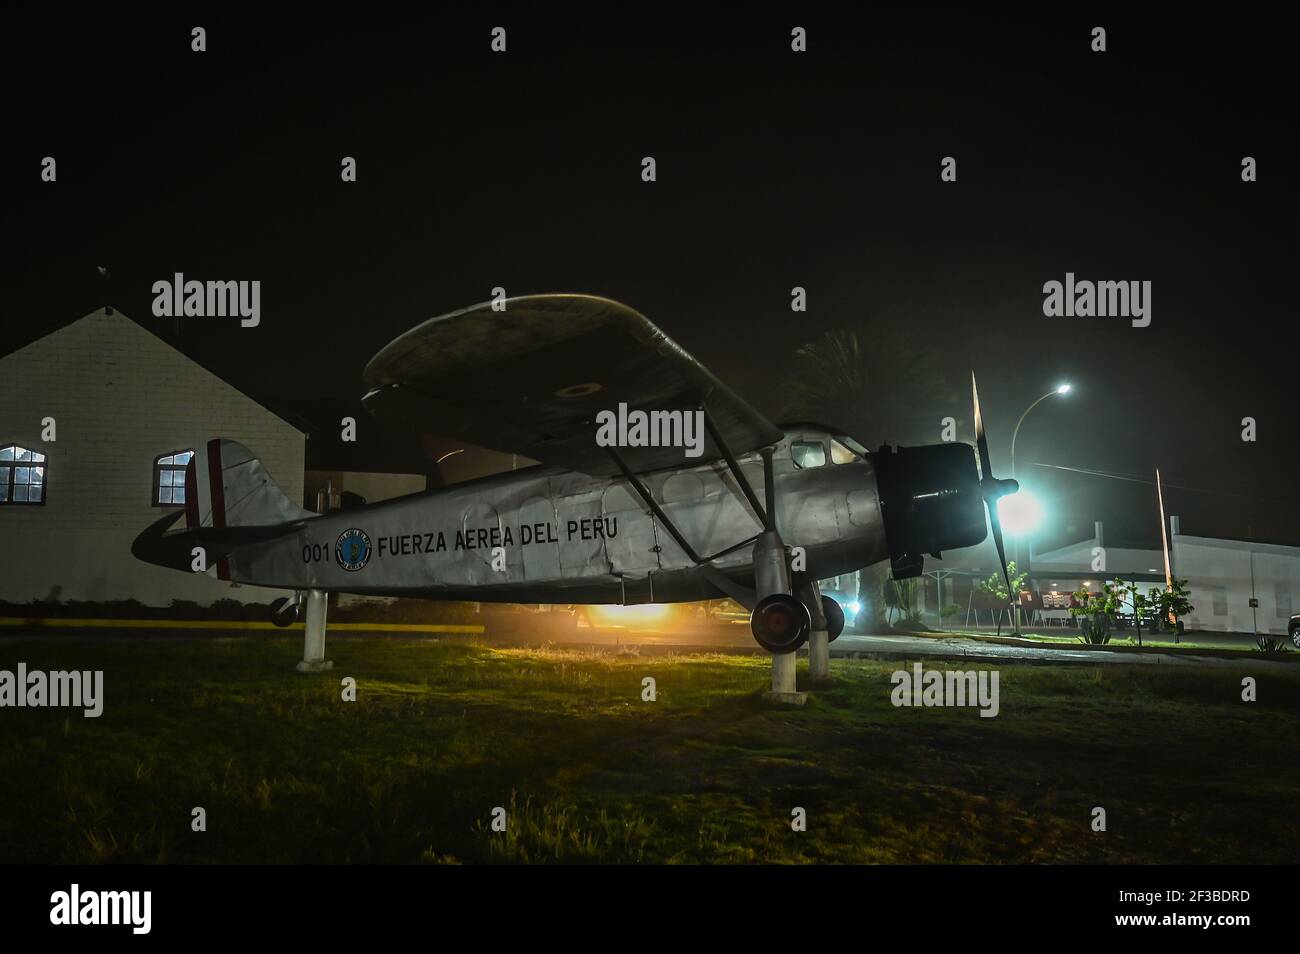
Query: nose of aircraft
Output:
(931,499)
(934,498)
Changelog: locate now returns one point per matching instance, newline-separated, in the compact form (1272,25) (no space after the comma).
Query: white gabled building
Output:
(123,403)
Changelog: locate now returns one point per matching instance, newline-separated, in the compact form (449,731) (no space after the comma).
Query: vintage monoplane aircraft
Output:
(755,512)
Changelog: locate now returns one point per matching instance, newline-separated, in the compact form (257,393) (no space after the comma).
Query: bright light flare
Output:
(639,615)
(1063,389)
(1020,512)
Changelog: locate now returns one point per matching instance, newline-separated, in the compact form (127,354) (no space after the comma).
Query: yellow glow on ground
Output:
(638,615)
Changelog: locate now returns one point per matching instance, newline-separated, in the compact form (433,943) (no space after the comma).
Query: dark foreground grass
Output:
(443,732)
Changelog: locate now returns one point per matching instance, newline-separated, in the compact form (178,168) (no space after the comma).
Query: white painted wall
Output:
(121,397)
(1079,558)
(1223,575)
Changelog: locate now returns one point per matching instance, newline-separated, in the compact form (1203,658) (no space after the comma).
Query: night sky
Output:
(775,169)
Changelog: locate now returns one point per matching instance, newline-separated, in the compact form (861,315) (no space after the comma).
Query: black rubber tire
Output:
(780,623)
(834,614)
(284,613)
(1295,636)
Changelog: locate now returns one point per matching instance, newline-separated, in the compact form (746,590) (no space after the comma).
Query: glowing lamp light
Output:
(1063,389)
(1020,512)
(640,614)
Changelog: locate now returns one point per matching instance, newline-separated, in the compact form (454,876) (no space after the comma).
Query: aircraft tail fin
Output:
(227,486)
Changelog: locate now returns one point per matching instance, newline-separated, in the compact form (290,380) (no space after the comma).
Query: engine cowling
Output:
(930,500)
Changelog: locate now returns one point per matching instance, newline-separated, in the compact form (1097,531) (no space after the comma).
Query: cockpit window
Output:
(808,453)
(854,446)
(840,454)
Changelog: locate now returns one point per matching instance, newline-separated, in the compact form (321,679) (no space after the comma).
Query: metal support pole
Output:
(313,647)
(650,502)
(819,641)
(769,489)
(736,472)
(772,575)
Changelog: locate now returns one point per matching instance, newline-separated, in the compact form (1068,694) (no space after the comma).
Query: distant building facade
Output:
(125,407)
(1238,586)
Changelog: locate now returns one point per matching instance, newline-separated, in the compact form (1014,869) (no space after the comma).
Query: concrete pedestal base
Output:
(315,665)
(783,690)
(786,698)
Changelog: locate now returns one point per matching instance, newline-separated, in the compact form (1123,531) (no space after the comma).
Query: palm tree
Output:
(880,387)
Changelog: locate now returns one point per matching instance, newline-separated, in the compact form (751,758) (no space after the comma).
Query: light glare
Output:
(1020,512)
(613,614)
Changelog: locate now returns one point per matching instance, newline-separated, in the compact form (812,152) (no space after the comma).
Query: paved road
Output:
(738,639)
(955,647)
(1244,641)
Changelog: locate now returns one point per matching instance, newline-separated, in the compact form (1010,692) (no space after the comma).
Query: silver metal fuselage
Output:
(560,537)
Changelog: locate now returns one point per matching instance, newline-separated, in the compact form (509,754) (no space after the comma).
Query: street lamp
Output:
(1061,389)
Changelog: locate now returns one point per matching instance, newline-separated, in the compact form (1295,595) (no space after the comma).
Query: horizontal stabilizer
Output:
(174,549)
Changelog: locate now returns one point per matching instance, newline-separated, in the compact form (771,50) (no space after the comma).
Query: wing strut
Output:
(645,496)
(742,595)
(734,467)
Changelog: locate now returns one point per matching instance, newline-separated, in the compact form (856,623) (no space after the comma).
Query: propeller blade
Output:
(991,487)
(981,439)
(996,523)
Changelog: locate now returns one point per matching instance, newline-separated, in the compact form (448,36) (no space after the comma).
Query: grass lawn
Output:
(443,731)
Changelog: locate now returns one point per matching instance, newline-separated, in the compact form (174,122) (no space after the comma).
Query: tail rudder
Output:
(227,486)
(230,501)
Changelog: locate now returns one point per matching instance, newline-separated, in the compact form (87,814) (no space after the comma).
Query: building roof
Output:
(163,333)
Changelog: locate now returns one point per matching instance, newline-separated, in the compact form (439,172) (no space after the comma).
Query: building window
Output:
(1219,596)
(22,476)
(169,479)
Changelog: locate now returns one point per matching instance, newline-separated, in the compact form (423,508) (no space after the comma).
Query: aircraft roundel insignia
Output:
(352,549)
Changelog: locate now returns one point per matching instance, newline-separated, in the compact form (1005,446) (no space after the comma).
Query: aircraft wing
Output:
(531,379)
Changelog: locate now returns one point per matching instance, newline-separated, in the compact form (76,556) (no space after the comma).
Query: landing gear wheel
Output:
(284,611)
(780,623)
(834,614)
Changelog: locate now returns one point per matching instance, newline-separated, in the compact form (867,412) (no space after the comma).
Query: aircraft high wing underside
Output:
(531,378)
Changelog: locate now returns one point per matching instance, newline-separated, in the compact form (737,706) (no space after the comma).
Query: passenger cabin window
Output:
(22,476)
(841,454)
(808,453)
(169,479)
(683,487)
